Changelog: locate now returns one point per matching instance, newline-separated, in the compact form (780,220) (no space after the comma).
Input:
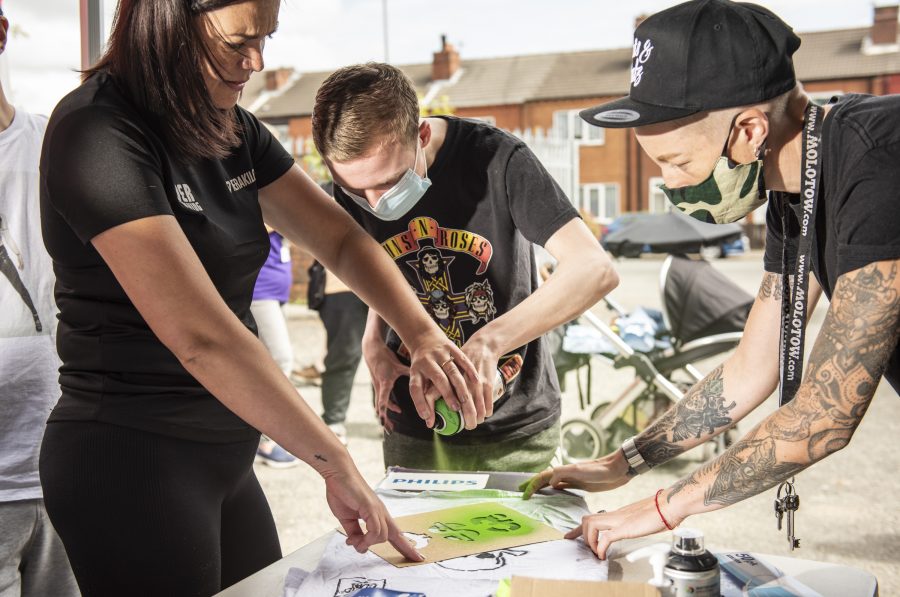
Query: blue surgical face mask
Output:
(401,197)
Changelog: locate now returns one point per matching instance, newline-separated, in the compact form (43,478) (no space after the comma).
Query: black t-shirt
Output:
(466,250)
(103,165)
(858,217)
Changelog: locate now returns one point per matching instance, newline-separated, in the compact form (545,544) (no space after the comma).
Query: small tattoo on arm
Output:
(322,458)
(770,287)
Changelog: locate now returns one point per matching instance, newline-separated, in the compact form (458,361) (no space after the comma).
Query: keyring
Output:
(450,360)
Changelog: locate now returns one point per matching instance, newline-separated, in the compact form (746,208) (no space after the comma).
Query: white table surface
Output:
(830,580)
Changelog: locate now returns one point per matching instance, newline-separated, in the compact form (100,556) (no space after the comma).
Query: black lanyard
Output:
(794,296)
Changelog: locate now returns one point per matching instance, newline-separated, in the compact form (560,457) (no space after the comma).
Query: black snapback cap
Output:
(702,55)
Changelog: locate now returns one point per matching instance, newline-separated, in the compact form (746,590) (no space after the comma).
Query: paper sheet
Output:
(476,575)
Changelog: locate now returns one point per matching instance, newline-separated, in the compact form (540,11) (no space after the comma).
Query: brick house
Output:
(538,97)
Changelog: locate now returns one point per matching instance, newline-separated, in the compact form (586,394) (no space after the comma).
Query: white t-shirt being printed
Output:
(28,362)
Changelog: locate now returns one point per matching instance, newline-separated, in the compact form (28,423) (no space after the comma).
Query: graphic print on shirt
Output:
(10,266)
(349,585)
(186,197)
(479,562)
(428,250)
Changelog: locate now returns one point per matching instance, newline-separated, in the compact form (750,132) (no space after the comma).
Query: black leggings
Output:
(147,514)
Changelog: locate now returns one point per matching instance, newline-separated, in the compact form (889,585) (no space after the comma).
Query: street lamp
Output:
(91,12)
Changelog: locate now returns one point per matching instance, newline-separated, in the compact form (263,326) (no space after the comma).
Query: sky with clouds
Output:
(44,49)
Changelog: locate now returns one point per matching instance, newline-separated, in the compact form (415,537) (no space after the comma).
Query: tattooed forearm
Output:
(770,287)
(858,335)
(700,413)
(749,467)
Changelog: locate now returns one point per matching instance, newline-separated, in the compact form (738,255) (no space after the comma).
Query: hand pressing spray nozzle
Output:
(449,422)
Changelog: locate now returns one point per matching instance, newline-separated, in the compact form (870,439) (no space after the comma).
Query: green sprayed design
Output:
(481,523)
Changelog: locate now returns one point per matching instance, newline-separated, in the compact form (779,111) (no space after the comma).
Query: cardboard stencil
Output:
(464,531)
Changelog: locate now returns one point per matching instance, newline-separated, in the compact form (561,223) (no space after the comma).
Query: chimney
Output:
(446,62)
(276,79)
(884,25)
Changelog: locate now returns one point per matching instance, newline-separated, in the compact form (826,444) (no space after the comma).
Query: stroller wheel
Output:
(581,441)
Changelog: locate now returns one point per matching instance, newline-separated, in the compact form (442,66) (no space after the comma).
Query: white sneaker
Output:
(340,431)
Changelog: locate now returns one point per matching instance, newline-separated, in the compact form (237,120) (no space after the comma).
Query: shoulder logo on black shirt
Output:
(239,182)
(186,197)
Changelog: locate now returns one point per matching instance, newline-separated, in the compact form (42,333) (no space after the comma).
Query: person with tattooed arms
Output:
(725,126)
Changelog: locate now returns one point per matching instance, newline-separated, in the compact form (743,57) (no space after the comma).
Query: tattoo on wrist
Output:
(700,413)
(770,287)
(322,458)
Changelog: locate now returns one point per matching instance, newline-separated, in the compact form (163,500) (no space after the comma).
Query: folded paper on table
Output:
(466,530)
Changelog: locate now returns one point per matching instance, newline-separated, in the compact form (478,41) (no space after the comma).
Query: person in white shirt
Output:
(32,559)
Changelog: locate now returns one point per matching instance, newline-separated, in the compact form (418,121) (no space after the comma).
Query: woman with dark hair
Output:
(154,189)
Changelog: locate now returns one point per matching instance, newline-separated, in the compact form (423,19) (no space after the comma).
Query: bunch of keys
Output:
(789,503)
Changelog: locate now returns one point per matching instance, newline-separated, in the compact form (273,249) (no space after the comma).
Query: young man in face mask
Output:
(457,204)
(714,101)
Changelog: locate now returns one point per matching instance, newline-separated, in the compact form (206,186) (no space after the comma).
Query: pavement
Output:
(849,502)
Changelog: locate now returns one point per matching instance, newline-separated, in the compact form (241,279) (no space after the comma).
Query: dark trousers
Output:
(8,268)
(344,317)
(147,514)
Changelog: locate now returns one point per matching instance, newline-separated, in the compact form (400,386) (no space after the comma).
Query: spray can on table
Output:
(449,422)
(691,569)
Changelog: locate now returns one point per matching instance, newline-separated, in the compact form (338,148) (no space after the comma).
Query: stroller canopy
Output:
(672,232)
(701,301)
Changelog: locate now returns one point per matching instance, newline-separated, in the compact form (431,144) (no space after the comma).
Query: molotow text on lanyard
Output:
(794,301)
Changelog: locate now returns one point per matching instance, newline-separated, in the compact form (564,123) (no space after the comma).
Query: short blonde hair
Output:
(358,103)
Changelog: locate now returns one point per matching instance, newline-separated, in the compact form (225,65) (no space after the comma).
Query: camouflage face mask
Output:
(730,193)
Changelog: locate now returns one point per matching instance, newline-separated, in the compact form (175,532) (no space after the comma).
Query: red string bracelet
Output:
(658,511)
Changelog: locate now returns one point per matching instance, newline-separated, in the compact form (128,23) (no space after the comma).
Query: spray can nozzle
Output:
(450,422)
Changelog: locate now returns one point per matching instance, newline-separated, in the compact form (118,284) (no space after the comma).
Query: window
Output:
(657,202)
(600,201)
(567,124)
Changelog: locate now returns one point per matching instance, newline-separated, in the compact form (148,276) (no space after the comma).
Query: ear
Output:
(750,130)
(424,132)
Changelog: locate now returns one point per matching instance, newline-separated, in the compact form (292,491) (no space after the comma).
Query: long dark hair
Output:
(156,53)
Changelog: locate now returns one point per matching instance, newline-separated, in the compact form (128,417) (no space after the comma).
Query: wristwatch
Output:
(634,458)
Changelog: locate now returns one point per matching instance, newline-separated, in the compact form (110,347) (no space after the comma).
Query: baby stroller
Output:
(703,315)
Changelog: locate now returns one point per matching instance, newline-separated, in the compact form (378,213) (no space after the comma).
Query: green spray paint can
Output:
(449,422)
